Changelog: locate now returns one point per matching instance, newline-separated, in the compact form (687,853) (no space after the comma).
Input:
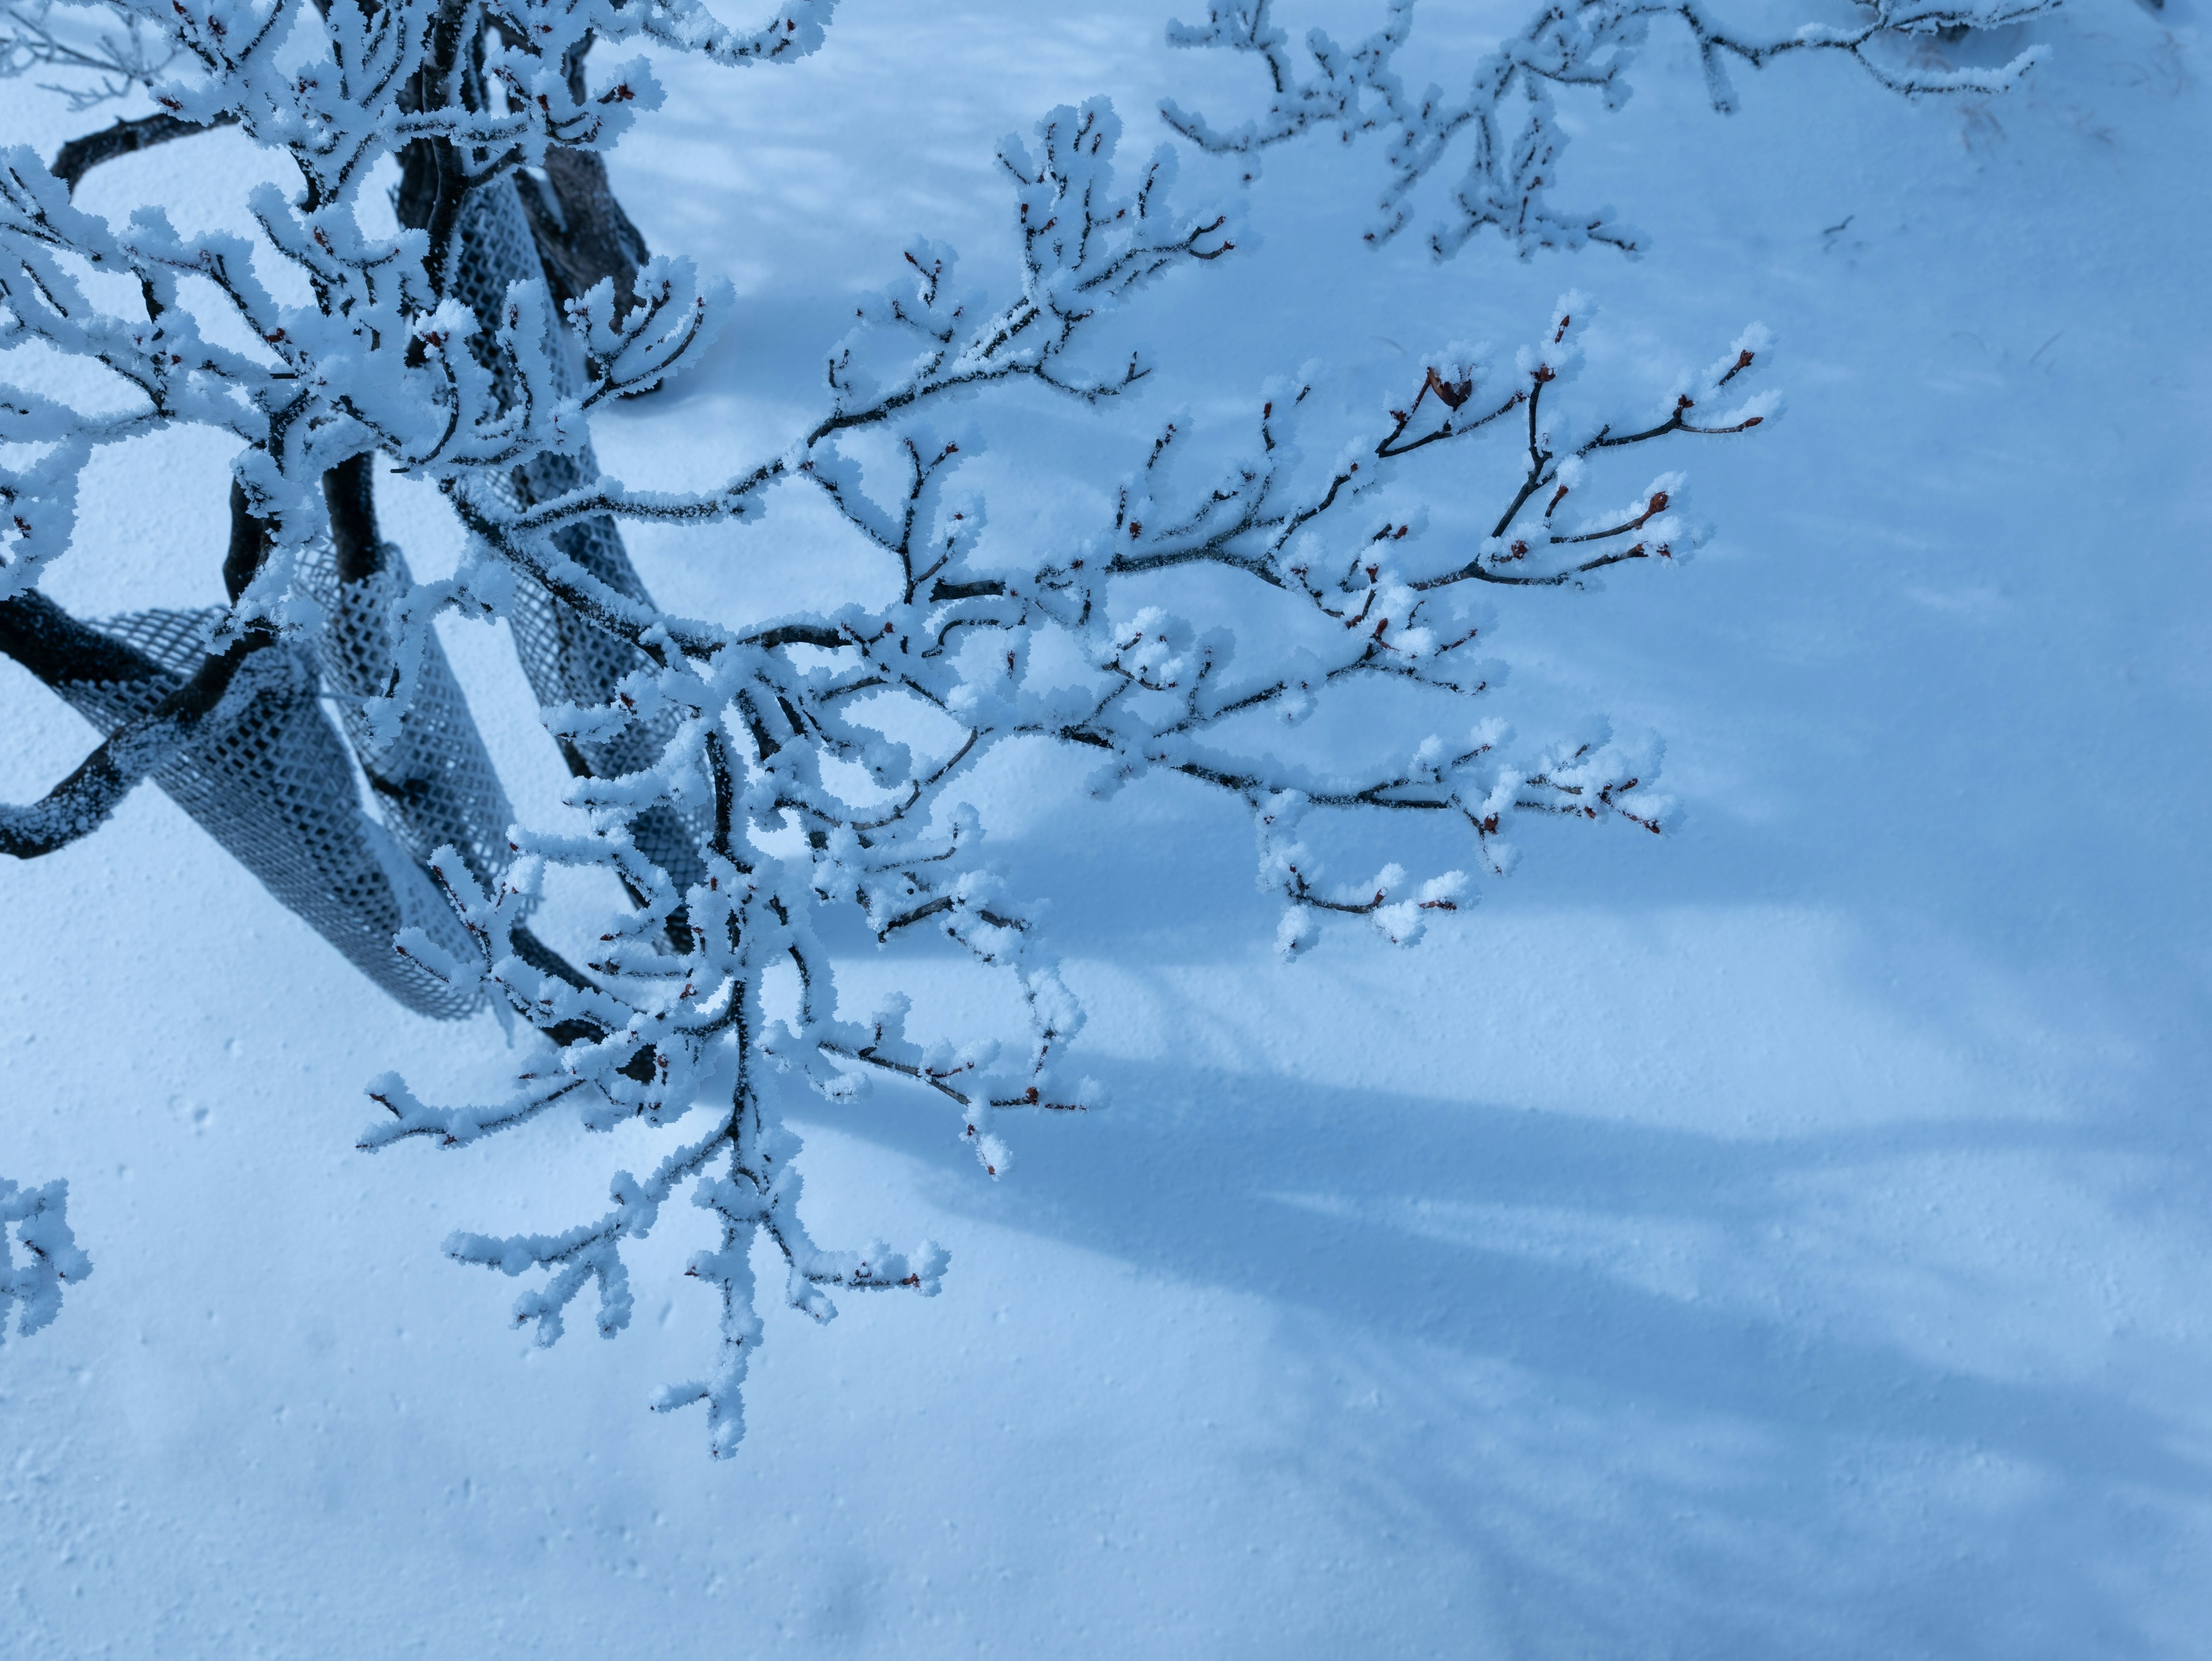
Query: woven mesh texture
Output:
(566,660)
(275,788)
(434,783)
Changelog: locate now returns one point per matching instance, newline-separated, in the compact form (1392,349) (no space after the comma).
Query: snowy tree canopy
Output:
(742,784)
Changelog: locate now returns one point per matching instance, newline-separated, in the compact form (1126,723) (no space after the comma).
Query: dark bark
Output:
(81,803)
(250,540)
(350,493)
(57,648)
(81,155)
(582,234)
(581,230)
(434,174)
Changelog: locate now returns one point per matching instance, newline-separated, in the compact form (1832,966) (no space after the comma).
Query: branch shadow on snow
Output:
(1359,1217)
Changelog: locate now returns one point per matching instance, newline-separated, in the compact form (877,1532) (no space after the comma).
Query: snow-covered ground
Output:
(1790,1238)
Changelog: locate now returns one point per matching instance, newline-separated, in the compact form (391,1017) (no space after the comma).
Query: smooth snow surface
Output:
(1790,1238)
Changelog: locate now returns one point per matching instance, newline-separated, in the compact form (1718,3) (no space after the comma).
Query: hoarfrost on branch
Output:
(742,784)
(1508,117)
(40,1219)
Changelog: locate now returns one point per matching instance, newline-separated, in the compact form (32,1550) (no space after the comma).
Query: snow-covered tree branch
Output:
(744,783)
(101,53)
(1507,116)
(40,1219)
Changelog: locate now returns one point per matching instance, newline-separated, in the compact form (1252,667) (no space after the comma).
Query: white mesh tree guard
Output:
(275,789)
(432,780)
(565,659)
(275,786)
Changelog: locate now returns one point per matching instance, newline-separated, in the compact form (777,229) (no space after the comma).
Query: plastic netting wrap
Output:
(433,779)
(275,789)
(566,660)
